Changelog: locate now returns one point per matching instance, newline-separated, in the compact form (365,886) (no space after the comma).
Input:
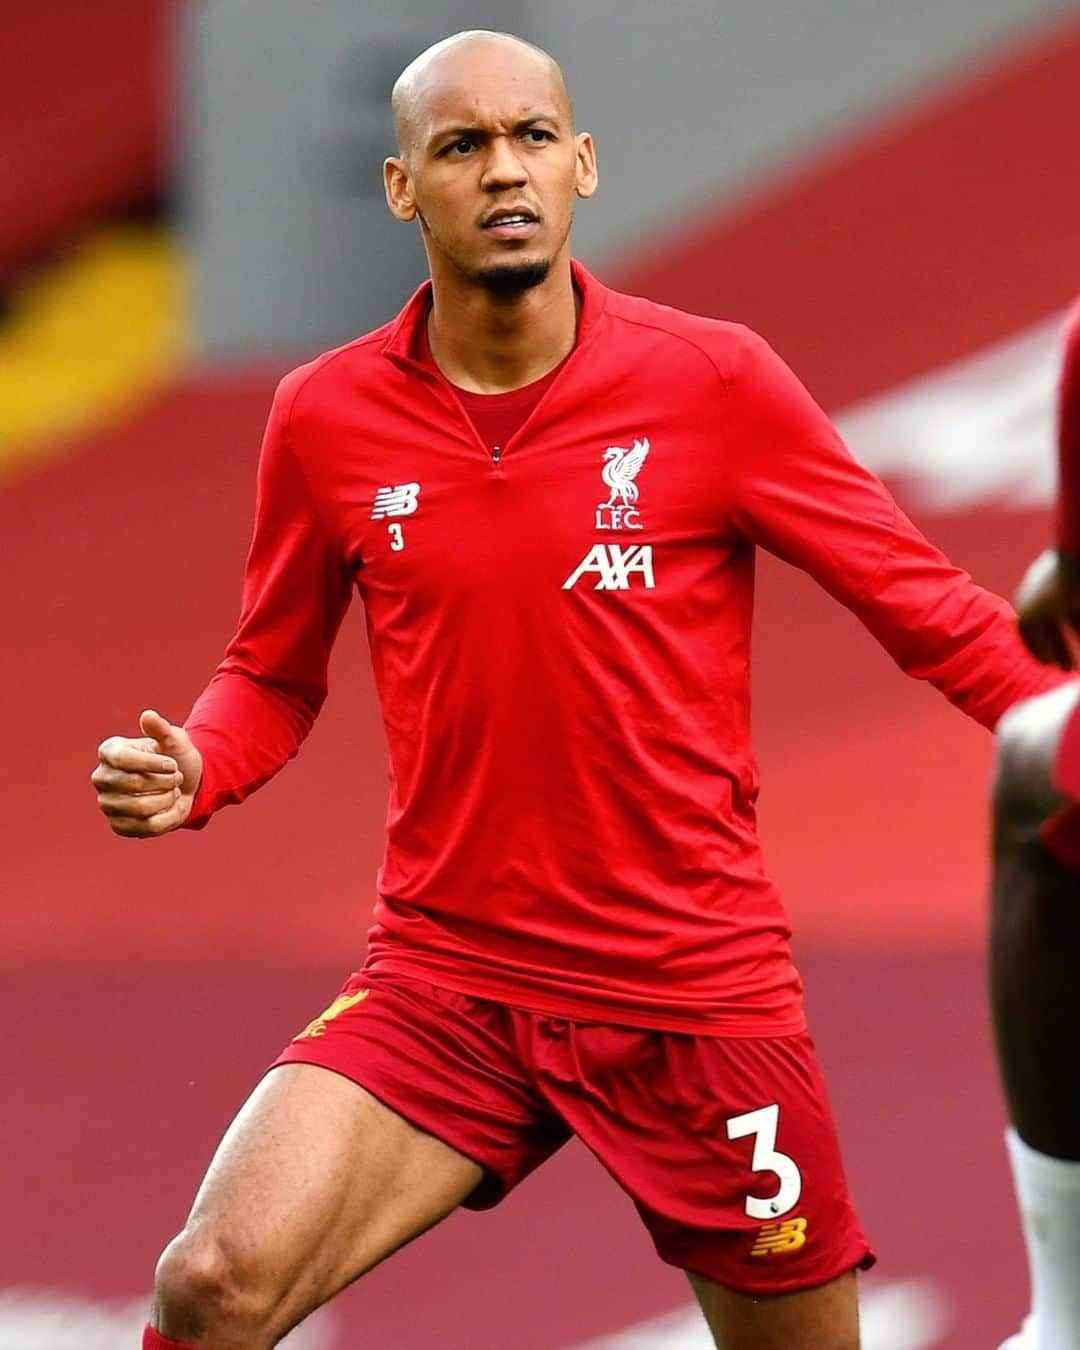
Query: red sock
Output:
(154,1340)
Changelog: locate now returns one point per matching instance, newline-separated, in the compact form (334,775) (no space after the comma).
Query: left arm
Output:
(795,489)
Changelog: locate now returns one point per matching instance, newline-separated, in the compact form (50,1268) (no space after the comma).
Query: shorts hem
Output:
(863,1259)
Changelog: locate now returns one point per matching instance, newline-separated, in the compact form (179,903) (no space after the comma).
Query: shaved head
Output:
(489,162)
(453,60)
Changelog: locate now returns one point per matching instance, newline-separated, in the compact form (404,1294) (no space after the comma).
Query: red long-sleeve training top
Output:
(1069,439)
(561,643)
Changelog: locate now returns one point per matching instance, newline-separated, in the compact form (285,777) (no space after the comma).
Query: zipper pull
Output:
(496,453)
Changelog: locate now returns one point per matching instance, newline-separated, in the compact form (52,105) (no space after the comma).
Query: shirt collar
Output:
(400,344)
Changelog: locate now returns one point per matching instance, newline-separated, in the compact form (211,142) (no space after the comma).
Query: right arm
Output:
(264,697)
(793,488)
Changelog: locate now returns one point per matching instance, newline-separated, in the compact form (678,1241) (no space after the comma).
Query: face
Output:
(490,165)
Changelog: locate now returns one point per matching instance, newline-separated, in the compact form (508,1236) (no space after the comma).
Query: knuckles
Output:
(108,748)
(132,807)
(133,811)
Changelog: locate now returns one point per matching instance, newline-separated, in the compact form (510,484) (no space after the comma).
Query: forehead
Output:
(483,85)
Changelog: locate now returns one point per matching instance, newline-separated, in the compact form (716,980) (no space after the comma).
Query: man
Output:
(1035,937)
(547,496)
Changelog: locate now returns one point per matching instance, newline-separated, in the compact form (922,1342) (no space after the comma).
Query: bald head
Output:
(459,63)
(489,162)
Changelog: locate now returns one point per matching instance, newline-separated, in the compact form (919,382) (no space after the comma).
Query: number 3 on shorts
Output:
(762,1125)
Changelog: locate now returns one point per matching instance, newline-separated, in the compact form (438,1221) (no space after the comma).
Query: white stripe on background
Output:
(45,1319)
(981,430)
(898,1315)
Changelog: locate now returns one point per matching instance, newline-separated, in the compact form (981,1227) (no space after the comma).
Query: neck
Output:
(491,343)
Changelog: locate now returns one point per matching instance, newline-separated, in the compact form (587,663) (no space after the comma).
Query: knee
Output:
(202,1291)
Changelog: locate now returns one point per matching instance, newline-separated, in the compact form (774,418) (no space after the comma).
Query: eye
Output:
(462,146)
(538,136)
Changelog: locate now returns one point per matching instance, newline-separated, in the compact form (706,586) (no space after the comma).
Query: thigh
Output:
(823,1318)
(395,1105)
(727,1148)
(315,1182)
(444,1061)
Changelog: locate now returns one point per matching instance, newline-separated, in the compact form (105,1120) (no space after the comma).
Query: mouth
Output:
(512,223)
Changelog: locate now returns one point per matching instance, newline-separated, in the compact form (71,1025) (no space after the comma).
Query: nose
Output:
(503,168)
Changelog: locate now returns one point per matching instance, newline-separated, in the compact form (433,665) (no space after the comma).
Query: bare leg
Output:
(315,1182)
(1035,935)
(825,1318)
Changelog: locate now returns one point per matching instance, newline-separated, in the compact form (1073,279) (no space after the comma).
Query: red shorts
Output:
(726,1146)
(1061,833)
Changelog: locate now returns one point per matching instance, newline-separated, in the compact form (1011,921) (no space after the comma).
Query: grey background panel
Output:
(285,125)
(690,99)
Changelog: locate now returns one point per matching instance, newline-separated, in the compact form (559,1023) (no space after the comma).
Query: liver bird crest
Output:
(621,467)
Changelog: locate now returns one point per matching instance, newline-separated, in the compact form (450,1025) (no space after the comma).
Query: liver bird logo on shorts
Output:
(620,471)
(341,1004)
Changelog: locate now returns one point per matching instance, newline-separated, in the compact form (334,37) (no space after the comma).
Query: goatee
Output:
(510,278)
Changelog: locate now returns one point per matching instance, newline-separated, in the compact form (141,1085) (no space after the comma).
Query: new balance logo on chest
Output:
(395,501)
(613,566)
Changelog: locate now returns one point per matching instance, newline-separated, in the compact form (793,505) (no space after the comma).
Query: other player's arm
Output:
(1049,595)
(795,489)
(264,697)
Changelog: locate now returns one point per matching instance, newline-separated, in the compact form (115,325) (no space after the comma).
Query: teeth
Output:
(511,220)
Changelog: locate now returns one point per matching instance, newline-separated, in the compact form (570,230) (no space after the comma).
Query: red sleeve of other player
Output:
(798,492)
(261,703)
(1068,517)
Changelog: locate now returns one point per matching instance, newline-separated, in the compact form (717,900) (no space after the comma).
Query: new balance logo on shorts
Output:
(613,565)
(395,501)
(774,1239)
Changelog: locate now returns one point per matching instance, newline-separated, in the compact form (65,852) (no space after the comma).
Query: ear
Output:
(397,184)
(587,176)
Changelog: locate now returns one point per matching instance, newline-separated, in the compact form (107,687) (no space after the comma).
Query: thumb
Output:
(172,740)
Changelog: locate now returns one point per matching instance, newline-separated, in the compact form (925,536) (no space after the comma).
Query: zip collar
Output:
(400,343)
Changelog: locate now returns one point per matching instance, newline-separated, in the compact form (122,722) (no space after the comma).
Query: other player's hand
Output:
(146,784)
(1048,607)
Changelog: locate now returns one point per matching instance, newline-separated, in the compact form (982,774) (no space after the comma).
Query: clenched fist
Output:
(146,784)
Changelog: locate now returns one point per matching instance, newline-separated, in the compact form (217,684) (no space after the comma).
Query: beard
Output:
(511,279)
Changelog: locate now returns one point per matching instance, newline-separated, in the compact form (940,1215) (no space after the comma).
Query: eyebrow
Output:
(455,133)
